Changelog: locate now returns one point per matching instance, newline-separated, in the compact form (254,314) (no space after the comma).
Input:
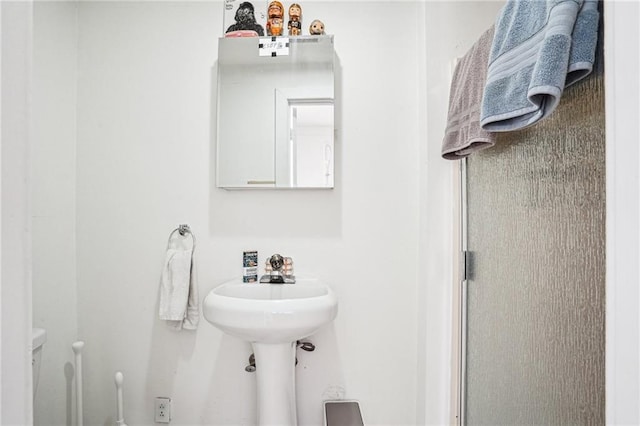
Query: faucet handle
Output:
(278,269)
(287,269)
(277,262)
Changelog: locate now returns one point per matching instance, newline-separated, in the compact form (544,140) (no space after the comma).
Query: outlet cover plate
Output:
(163,410)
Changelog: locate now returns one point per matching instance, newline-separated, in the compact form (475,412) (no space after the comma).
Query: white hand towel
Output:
(178,291)
(192,314)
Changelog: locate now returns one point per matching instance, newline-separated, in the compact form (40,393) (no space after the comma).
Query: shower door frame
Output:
(463,271)
(459,297)
(622,350)
(459,311)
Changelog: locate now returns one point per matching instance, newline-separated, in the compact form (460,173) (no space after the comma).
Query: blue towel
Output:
(539,48)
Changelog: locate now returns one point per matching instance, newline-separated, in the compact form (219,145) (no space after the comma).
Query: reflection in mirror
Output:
(275,123)
(311,162)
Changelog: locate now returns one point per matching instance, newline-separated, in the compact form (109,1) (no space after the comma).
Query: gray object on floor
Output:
(342,413)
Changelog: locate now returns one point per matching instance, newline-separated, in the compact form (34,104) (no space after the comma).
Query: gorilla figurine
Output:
(246,20)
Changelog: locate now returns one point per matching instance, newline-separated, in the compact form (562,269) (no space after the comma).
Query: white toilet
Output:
(39,336)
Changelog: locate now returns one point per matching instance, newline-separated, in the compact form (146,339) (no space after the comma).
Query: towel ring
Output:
(183,230)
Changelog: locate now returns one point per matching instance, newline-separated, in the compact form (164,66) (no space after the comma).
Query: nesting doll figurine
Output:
(316,27)
(295,20)
(275,20)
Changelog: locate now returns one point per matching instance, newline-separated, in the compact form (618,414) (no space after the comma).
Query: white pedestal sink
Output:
(272,317)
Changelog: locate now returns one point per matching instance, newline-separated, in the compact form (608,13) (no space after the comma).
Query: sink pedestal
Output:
(276,383)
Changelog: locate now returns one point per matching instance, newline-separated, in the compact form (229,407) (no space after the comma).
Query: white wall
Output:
(622,47)
(15,266)
(145,159)
(54,204)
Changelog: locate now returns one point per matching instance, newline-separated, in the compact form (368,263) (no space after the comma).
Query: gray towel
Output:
(539,48)
(463,134)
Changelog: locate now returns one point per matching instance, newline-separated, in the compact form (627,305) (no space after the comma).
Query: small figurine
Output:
(295,20)
(275,21)
(245,22)
(316,27)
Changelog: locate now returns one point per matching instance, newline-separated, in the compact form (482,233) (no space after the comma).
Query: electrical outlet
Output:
(163,410)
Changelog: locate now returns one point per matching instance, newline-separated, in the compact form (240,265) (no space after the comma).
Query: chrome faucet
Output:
(278,270)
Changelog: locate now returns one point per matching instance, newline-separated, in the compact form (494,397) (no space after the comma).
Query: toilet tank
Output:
(39,336)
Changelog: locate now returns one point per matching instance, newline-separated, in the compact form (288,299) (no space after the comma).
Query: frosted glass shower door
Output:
(535,339)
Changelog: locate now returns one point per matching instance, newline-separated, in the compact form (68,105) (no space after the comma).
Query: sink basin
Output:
(271,313)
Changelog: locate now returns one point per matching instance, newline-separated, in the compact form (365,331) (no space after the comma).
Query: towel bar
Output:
(183,230)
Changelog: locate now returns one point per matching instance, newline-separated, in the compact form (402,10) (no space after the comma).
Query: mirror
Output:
(275,114)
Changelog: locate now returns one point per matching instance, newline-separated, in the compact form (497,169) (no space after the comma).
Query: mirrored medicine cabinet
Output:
(275,114)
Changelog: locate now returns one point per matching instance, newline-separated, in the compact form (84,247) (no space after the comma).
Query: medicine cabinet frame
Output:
(275,115)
